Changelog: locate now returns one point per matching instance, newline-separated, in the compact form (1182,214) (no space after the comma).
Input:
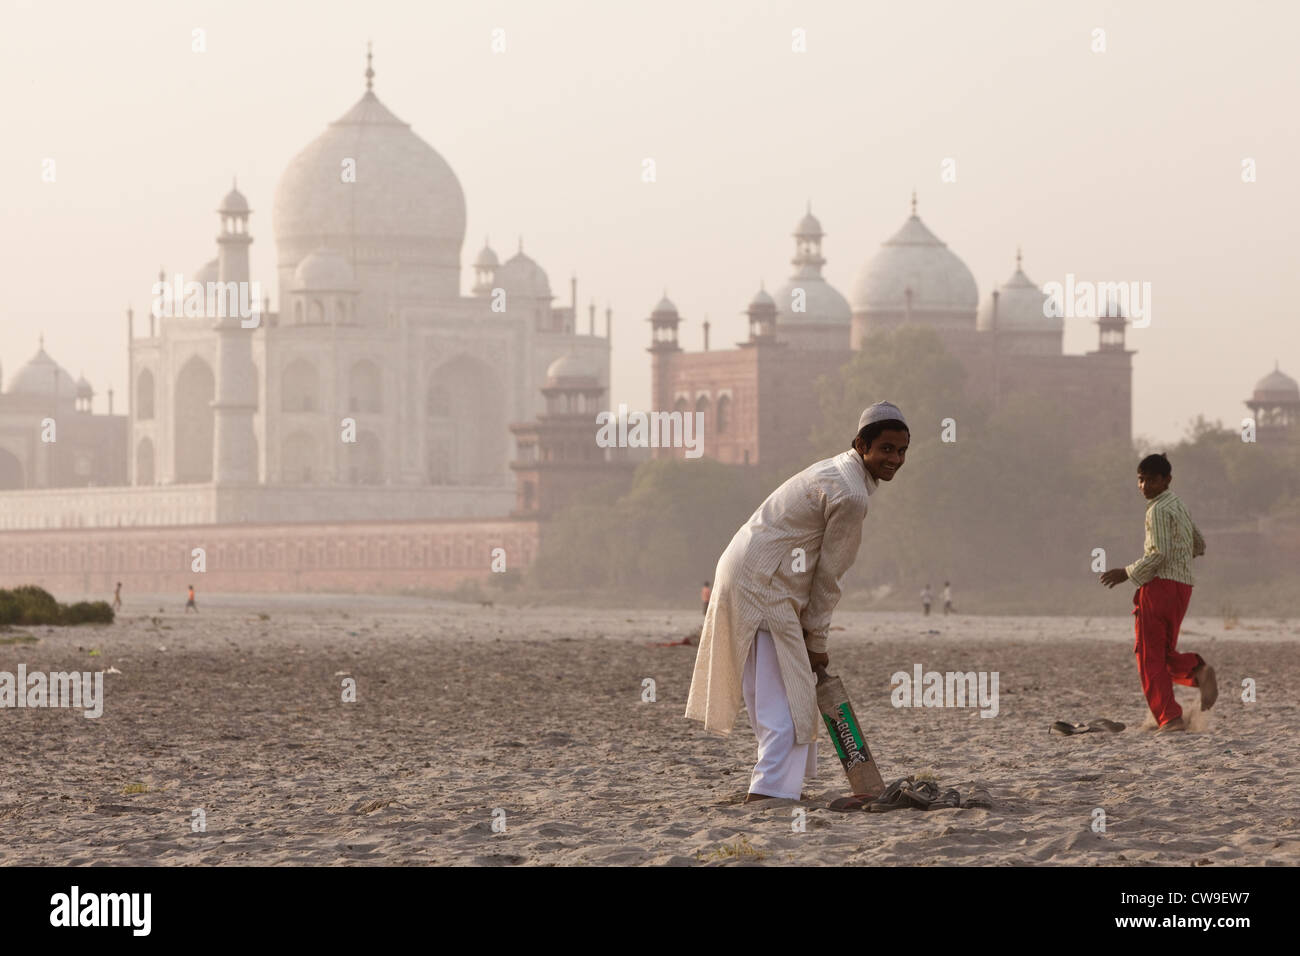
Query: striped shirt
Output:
(1172,540)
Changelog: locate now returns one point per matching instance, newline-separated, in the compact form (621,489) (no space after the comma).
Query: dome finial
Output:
(41,341)
(370,72)
(808,209)
(913,200)
(1017,257)
(521,245)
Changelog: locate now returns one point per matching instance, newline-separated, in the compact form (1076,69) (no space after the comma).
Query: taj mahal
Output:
(376,390)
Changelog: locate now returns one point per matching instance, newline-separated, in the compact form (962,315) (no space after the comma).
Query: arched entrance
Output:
(466,434)
(192,404)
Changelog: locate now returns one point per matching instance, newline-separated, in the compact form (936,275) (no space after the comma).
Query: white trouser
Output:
(782,764)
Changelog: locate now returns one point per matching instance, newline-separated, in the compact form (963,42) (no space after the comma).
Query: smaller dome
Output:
(325,271)
(42,376)
(1277,386)
(487,259)
(84,389)
(665,307)
(209,272)
(521,276)
(823,304)
(570,366)
(234,202)
(762,300)
(1022,307)
(809,227)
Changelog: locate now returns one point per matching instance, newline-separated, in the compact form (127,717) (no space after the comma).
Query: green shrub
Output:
(87,612)
(32,605)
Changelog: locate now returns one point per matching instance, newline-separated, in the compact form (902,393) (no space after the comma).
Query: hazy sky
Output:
(1122,165)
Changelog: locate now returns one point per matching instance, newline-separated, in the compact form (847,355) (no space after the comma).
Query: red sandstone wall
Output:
(345,556)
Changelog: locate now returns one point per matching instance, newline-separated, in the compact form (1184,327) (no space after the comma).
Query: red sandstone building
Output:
(759,399)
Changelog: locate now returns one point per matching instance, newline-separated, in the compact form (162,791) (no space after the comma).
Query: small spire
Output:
(162,275)
(234,183)
(1017,257)
(42,341)
(370,72)
(521,245)
(809,207)
(913,200)
(760,286)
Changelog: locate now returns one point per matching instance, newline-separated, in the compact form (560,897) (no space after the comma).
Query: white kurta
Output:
(762,581)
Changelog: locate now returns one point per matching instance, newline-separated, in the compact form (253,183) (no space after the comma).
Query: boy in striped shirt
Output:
(1164,578)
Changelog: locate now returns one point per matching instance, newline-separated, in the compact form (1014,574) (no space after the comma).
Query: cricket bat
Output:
(850,742)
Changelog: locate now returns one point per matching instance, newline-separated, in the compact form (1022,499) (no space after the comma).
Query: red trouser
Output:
(1158,607)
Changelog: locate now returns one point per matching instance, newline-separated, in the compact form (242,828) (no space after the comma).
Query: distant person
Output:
(947,598)
(117,597)
(1164,578)
(765,638)
(926,597)
(704,596)
(190,603)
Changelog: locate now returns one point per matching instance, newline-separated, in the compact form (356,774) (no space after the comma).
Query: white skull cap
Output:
(880,412)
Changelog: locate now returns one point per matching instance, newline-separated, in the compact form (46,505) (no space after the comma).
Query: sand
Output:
(534,719)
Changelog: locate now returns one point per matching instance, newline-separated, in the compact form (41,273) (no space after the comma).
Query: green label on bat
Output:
(850,745)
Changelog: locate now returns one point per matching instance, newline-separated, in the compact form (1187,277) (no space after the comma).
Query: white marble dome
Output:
(404,191)
(1020,308)
(234,203)
(325,271)
(521,276)
(570,366)
(41,375)
(914,258)
(809,226)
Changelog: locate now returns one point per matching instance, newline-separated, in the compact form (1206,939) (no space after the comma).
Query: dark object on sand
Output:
(1097,724)
(905,793)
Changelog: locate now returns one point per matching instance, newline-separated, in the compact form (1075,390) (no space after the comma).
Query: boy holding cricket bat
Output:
(775,587)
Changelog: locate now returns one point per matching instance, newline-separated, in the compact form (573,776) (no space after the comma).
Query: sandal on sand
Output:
(922,795)
(979,799)
(1065,729)
(948,800)
(1101,723)
(894,797)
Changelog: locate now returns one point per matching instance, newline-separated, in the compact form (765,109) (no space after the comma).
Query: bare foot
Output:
(755,797)
(1172,726)
(1204,677)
